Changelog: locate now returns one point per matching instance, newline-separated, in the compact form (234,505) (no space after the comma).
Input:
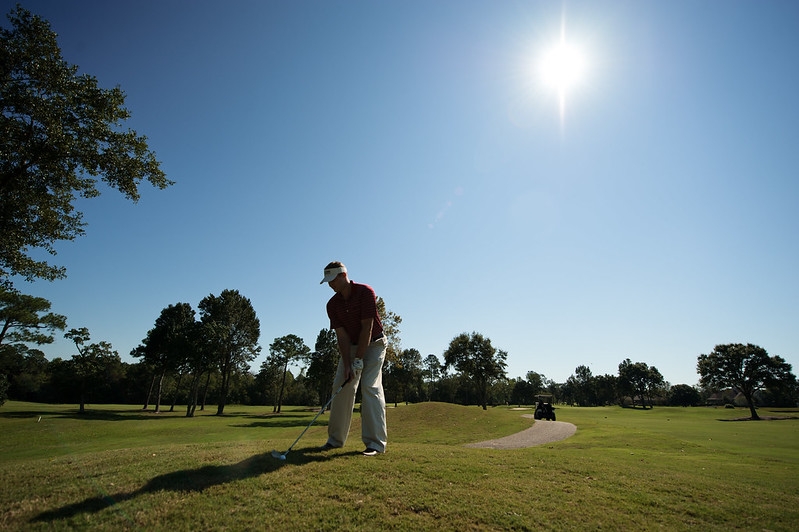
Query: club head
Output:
(278,455)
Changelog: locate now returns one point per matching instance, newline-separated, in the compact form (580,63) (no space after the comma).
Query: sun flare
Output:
(561,68)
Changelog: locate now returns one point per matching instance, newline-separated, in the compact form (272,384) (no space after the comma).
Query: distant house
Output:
(723,397)
(717,399)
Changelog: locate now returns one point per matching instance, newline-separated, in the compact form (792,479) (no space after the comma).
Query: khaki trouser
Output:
(373,402)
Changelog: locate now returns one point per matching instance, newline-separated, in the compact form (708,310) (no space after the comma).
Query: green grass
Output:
(667,469)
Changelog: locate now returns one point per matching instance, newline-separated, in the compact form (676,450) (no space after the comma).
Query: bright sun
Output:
(561,68)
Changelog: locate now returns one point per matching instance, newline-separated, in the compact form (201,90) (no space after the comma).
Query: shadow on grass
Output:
(258,421)
(93,415)
(761,418)
(139,414)
(191,480)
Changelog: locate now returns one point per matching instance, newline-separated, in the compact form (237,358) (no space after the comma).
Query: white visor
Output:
(332,273)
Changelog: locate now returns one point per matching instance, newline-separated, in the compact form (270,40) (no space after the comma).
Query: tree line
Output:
(199,358)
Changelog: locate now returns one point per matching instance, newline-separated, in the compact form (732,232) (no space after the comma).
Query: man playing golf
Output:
(353,316)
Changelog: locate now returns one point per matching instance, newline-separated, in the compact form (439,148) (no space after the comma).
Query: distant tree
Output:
(232,330)
(605,389)
(432,371)
(749,368)
(553,388)
(269,378)
(135,375)
(582,385)
(322,364)
(240,385)
(473,356)
(25,319)
(499,392)
(298,391)
(683,395)
(92,364)
(61,386)
(59,133)
(391,322)
(784,393)
(567,391)
(407,372)
(26,370)
(639,380)
(537,382)
(149,369)
(448,387)
(3,389)
(283,350)
(522,392)
(202,363)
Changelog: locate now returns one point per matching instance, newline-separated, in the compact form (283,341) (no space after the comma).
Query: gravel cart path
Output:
(540,433)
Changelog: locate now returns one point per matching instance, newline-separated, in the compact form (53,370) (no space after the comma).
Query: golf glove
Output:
(357,364)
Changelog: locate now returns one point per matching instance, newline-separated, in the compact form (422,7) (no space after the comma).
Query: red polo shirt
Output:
(361,305)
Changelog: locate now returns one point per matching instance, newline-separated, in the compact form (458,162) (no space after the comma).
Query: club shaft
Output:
(317,415)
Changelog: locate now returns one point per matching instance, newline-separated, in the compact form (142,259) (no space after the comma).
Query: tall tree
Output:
(201,361)
(26,319)
(473,356)
(748,368)
(233,330)
(284,350)
(168,343)
(59,133)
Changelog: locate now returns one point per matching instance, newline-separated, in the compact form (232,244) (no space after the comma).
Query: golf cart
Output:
(544,409)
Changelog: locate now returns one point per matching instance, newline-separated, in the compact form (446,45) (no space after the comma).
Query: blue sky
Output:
(415,141)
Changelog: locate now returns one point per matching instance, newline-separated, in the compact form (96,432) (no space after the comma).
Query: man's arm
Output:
(344,349)
(365,338)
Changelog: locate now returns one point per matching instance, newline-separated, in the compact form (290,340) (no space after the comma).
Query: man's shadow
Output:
(188,480)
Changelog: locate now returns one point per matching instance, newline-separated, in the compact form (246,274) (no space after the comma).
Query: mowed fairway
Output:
(118,468)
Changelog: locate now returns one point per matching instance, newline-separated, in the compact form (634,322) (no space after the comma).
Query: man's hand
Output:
(357,364)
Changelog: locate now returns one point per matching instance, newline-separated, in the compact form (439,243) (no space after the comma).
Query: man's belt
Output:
(376,338)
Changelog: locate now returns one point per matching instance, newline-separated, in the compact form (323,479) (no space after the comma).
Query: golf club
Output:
(282,456)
